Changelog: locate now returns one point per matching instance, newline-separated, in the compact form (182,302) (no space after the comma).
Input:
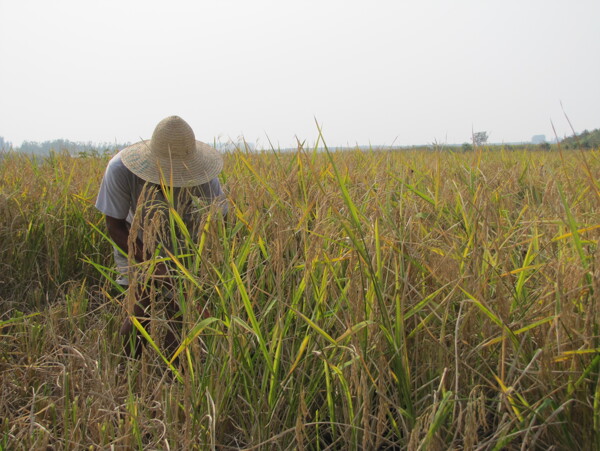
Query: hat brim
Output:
(198,167)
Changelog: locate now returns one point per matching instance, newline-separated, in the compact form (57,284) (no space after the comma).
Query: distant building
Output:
(538,139)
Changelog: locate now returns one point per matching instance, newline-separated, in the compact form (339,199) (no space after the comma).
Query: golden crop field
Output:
(421,300)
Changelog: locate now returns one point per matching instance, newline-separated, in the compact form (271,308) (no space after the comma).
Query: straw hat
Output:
(174,154)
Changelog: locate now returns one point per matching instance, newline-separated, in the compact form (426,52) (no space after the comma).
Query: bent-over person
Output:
(132,193)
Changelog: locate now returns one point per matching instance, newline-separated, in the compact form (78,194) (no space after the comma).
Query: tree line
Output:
(59,145)
(585,140)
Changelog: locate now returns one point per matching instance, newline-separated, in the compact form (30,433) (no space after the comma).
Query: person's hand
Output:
(161,269)
(161,273)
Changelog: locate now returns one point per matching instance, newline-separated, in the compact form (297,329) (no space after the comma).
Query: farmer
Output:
(132,192)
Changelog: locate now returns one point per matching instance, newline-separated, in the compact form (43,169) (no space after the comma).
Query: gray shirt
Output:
(120,192)
(121,189)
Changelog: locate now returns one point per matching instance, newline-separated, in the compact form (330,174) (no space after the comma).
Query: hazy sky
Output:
(380,72)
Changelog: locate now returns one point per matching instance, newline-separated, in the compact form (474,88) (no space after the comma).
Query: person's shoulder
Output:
(210,185)
(215,182)
(116,161)
(208,190)
(117,167)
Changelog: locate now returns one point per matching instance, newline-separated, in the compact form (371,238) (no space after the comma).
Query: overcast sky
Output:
(379,72)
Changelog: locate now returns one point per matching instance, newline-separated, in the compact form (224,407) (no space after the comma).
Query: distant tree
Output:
(585,140)
(4,145)
(466,147)
(74,148)
(91,153)
(480,138)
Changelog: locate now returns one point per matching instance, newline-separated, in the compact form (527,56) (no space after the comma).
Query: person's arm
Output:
(213,192)
(118,231)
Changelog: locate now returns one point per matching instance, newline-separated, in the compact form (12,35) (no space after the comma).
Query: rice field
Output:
(361,300)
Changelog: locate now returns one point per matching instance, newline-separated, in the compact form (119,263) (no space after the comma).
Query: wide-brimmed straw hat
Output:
(174,155)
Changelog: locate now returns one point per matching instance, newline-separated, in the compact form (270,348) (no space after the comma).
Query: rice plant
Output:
(351,300)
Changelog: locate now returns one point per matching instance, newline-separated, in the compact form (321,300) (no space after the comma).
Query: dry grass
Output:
(358,300)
